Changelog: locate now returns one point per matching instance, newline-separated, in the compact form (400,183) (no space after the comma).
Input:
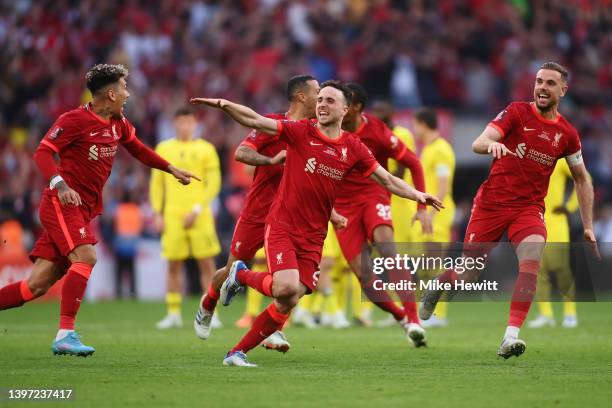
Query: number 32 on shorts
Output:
(384,211)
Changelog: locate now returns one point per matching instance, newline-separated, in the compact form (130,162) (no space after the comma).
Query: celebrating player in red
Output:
(268,155)
(367,206)
(526,139)
(86,140)
(319,155)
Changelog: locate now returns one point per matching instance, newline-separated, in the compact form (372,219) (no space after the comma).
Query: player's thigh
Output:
(248,238)
(527,223)
(66,225)
(354,236)
(174,242)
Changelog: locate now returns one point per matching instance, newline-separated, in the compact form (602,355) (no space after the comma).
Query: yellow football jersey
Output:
(196,156)
(402,210)
(556,224)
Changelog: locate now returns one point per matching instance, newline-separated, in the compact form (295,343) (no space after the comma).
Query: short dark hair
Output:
(101,75)
(553,66)
(359,94)
(427,116)
(183,111)
(295,83)
(339,85)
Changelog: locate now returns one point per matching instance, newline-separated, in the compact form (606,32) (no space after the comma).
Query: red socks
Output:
(524,290)
(15,295)
(209,302)
(73,291)
(269,321)
(260,281)
(382,299)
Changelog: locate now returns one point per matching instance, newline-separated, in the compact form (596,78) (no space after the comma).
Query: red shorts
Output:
(65,228)
(488,225)
(363,218)
(248,238)
(287,251)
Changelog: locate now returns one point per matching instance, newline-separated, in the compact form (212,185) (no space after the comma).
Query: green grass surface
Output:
(136,365)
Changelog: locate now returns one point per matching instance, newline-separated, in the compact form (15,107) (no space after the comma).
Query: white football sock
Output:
(512,331)
(61,333)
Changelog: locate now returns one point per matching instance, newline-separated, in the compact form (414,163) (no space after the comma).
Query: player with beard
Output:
(526,139)
(319,155)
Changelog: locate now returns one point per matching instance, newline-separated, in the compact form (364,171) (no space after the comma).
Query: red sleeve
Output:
(291,131)
(412,163)
(505,120)
(145,154)
(573,143)
(45,160)
(365,162)
(257,140)
(62,132)
(395,146)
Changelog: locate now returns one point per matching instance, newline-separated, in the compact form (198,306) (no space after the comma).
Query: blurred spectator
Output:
(128,228)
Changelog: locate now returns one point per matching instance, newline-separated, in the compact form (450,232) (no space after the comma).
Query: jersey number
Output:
(384,211)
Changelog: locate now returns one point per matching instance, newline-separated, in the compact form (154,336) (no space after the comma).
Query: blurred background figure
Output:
(128,228)
(184,216)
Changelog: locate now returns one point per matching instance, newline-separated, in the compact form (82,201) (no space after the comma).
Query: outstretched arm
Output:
(241,114)
(489,143)
(400,188)
(247,155)
(584,190)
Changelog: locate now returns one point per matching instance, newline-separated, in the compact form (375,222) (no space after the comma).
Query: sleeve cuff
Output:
(371,170)
(279,128)
(400,153)
(500,130)
(49,145)
(249,145)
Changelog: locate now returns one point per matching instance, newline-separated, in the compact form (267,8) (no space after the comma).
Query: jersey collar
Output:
(542,118)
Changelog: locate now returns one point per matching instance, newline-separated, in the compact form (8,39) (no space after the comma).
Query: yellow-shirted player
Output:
(438,161)
(556,259)
(183,214)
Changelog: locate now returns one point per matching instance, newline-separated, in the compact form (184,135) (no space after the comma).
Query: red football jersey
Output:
(538,143)
(86,145)
(314,170)
(266,178)
(384,145)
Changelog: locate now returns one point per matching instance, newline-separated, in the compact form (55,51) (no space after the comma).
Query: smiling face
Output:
(548,90)
(331,106)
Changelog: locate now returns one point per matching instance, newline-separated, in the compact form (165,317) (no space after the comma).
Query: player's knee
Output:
(287,290)
(39,286)
(86,256)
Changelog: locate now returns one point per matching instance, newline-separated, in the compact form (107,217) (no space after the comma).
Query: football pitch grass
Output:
(137,365)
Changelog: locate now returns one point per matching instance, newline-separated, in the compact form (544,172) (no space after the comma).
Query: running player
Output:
(267,155)
(367,206)
(526,139)
(183,214)
(86,140)
(319,154)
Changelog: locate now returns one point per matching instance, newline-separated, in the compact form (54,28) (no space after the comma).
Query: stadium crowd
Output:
(470,57)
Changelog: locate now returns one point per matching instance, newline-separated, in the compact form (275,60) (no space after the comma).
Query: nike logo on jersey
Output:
(316,144)
(94,133)
(526,129)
